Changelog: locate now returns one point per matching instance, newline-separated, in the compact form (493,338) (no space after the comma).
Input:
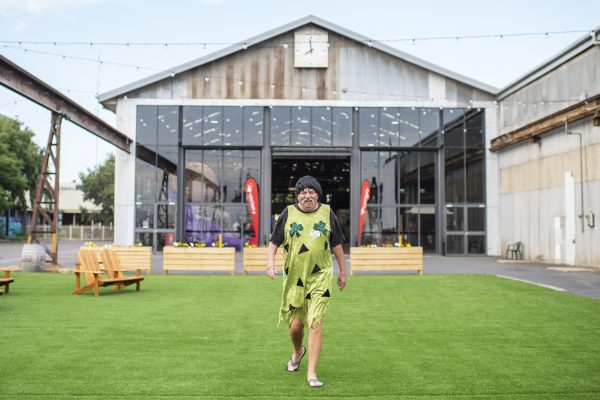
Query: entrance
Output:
(332,173)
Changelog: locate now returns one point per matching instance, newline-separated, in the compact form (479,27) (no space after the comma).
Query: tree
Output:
(20,164)
(98,186)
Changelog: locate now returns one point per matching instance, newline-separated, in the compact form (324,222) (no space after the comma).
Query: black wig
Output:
(308,181)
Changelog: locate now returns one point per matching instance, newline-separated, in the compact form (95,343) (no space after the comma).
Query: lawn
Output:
(386,337)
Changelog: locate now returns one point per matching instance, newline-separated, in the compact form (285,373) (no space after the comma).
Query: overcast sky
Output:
(79,74)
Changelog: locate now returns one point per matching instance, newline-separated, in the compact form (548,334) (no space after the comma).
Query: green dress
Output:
(308,268)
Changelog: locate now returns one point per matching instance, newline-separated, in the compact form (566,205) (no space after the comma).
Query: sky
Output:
(102,61)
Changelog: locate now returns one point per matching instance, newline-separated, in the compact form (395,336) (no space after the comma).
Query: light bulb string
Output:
(241,81)
(268,44)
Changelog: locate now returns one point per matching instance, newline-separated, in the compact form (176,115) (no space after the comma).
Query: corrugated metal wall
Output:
(570,83)
(532,175)
(355,72)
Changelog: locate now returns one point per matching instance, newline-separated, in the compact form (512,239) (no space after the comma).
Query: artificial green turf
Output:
(192,336)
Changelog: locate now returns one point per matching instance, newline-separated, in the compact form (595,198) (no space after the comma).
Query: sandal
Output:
(291,363)
(315,383)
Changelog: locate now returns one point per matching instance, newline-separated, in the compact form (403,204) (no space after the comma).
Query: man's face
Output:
(308,199)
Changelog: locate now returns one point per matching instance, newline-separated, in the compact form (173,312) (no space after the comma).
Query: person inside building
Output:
(309,232)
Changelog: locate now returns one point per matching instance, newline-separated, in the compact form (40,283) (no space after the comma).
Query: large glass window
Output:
(233,126)
(147,129)
(253,126)
(429,128)
(156,174)
(212,130)
(369,126)
(402,148)
(214,177)
(465,226)
(409,126)
(301,126)
(322,126)
(455,175)
(214,195)
(465,181)
(168,126)
(474,130)
(192,126)
(281,126)
(399,127)
(342,126)
(402,204)
(222,126)
(311,126)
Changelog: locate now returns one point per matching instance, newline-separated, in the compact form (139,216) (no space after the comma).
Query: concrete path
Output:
(580,281)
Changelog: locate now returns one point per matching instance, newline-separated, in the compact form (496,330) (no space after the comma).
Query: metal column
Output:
(47,193)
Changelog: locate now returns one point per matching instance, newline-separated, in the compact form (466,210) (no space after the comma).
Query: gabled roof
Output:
(579,46)
(310,19)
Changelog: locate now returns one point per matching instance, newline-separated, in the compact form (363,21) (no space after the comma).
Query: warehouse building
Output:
(311,97)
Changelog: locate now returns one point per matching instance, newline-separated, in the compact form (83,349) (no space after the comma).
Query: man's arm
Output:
(271,251)
(338,252)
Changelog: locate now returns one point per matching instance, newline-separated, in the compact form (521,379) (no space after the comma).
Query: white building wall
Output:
(492,185)
(532,195)
(125,176)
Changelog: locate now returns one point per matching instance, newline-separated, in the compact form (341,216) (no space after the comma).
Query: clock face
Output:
(311,50)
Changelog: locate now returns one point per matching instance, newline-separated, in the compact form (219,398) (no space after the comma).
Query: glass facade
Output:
(213,199)
(214,195)
(399,127)
(464,177)
(425,168)
(157,150)
(403,198)
(222,126)
(311,126)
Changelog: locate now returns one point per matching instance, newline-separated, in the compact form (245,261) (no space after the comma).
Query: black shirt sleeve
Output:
(277,236)
(337,236)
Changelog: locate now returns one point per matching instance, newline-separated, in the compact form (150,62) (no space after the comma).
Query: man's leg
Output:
(297,335)
(315,342)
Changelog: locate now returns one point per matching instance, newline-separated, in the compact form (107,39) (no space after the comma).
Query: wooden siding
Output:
(355,72)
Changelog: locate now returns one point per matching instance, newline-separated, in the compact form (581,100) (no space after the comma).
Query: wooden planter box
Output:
(199,259)
(386,259)
(131,258)
(255,259)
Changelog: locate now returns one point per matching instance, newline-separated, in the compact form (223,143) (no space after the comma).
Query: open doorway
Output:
(332,173)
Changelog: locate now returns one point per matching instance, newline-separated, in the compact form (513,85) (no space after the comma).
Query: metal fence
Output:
(80,232)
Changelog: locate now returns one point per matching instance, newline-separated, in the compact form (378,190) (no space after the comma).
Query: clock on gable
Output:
(311,50)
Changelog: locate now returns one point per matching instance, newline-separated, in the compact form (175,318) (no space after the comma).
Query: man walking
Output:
(309,232)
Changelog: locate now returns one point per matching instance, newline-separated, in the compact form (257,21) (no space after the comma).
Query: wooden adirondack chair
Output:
(112,264)
(7,280)
(90,268)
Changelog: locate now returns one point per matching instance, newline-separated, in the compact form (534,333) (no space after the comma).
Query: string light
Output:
(94,60)
(11,103)
(469,102)
(245,45)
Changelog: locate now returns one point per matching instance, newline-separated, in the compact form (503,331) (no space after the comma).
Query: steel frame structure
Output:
(46,204)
